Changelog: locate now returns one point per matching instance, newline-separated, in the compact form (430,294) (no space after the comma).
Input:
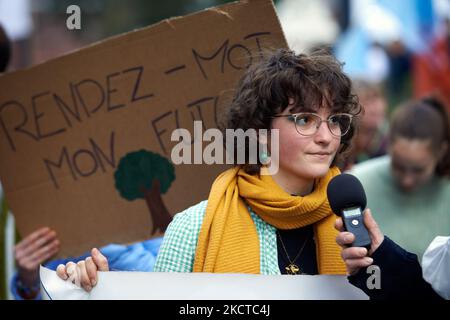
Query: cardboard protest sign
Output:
(85,139)
(201,286)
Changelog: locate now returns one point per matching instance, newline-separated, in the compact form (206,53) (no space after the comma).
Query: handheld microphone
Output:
(348,200)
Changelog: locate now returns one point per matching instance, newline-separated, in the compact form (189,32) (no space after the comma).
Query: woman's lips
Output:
(320,155)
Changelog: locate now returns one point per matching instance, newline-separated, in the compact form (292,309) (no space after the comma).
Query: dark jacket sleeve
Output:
(400,275)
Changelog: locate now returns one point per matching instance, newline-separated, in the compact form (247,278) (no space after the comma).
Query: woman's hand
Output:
(84,273)
(358,257)
(30,253)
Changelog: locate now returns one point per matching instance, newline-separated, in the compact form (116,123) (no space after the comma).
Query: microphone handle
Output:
(355,224)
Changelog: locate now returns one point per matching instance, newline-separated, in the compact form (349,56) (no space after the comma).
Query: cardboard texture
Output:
(85,139)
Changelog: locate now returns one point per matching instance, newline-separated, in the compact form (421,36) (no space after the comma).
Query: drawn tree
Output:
(146,175)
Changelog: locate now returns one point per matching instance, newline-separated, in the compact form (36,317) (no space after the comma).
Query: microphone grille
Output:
(345,191)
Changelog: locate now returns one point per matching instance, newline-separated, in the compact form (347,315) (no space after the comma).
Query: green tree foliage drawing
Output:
(146,175)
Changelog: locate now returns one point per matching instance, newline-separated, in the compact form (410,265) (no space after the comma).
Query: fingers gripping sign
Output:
(84,273)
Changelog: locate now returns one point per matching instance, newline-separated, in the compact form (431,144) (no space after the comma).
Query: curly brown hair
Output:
(311,80)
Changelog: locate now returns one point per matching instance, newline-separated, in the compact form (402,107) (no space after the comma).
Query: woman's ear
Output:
(263,137)
(264,146)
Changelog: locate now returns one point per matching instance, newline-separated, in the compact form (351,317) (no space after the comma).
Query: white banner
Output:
(201,286)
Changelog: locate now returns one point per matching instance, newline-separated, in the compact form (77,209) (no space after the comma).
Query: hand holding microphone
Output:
(359,234)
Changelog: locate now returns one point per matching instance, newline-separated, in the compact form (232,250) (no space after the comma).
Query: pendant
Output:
(292,269)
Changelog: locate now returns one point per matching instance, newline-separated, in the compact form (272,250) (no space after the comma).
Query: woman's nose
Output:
(323,134)
(408,181)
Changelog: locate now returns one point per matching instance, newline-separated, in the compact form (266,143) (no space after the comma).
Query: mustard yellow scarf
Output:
(228,241)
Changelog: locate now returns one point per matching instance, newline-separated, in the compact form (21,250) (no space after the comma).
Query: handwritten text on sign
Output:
(86,138)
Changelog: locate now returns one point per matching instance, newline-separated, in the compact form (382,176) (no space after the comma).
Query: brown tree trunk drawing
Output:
(159,213)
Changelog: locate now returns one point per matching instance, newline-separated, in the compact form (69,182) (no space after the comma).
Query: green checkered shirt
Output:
(177,251)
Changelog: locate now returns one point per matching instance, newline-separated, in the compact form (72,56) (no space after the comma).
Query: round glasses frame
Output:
(295,116)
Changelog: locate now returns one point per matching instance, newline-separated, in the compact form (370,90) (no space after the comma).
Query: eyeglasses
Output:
(307,123)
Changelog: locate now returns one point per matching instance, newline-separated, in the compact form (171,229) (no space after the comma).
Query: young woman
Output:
(268,224)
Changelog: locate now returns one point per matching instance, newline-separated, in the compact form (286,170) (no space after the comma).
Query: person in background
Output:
(408,190)
(372,136)
(5,55)
(436,266)
(262,222)
(43,244)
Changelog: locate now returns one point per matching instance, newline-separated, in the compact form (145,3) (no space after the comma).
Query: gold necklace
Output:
(292,268)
